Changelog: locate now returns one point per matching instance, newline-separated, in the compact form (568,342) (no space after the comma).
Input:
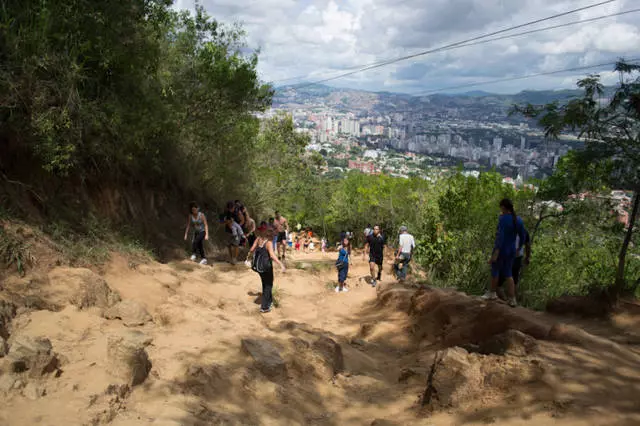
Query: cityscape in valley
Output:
(405,135)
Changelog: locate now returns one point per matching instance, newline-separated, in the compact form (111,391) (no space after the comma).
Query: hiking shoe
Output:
(345,290)
(193,257)
(265,311)
(512,302)
(337,289)
(203,262)
(373,283)
(490,295)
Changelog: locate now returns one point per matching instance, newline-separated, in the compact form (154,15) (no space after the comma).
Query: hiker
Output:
(323,245)
(233,209)
(236,235)
(198,221)
(367,231)
(297,243)
(342,264)
(272,225)
(282,227)
(406,245)
(523,256)
(375,246)
(250,230)
(504,251)
(263,258)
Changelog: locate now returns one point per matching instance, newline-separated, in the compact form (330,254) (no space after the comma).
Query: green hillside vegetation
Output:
(134,98)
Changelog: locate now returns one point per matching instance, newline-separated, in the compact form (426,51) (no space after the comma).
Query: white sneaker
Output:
(512,302)
(337,289)
(193,257)
(345,290)
(203,262)
(490,295)
(373,283)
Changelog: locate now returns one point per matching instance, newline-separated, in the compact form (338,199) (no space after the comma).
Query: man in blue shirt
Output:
(510,226)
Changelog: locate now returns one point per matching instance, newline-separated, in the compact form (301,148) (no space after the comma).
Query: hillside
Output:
(187,346)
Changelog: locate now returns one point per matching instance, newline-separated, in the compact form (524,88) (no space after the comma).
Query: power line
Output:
(453,45)
(552,27)
(522,77)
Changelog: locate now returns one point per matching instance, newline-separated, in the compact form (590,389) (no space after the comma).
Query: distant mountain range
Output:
(350,97)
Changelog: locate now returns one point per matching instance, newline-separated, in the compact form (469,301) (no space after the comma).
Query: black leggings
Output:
(267,287)
(197,246)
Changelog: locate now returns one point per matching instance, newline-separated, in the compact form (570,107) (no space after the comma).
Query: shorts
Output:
(375,258)
(282,236)
(503,267)
(233,241)
(342,273)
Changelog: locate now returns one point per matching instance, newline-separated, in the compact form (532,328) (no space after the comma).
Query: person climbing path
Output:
(510,226)
(282,227)
(263,258)
(198,221)
(375,246)
(235,238)
(342,264)
(406,245)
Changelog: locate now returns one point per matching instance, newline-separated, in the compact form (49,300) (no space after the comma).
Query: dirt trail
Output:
(392,355)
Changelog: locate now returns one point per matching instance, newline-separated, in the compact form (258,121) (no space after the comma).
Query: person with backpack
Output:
(510,227)
(263,257)
(198,221)
(342,264)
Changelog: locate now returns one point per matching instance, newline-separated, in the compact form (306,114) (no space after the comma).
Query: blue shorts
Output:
(503,266)
(342,274)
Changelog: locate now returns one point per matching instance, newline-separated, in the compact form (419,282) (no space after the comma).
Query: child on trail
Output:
(343,266)
(263,257)
(198,221)
(235,237)
(323,245)
(510,226)
(297,244)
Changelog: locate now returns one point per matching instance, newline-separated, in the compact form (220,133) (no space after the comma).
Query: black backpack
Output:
(261,261)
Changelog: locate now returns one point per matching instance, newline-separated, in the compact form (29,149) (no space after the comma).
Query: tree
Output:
(611,131)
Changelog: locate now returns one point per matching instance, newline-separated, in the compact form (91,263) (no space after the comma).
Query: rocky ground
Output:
(184,344)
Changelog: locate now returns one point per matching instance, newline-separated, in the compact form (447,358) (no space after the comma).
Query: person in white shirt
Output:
(406,245)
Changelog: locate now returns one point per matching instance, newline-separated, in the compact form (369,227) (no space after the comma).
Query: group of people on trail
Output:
(375,244)
(268,244)
(511,250)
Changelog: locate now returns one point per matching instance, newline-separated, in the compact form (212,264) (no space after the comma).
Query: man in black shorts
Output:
(375,246)
(282,227)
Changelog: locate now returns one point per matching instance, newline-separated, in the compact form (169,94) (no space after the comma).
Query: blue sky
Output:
(322,38)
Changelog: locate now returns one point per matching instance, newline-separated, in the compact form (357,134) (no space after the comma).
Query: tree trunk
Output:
(620,283)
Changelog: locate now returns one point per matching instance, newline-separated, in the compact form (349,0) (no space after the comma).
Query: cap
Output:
(403,228)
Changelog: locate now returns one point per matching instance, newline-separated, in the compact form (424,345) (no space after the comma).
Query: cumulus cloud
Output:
(317,39)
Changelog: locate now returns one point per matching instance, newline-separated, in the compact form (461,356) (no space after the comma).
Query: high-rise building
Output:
(497,144)
(523,143)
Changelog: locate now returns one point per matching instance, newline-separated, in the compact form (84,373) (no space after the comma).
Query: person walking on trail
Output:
(250,231)
(282,227)
(375,246)
(274,241)
(523,257)
(510,226)
(343,266)
(235,237)
(406,245)
(367,231)
(263,258)
(198,221)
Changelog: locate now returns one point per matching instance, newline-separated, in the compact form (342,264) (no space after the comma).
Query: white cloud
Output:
(322,38)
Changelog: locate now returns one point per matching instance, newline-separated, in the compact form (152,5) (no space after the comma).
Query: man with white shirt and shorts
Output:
(406,245)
